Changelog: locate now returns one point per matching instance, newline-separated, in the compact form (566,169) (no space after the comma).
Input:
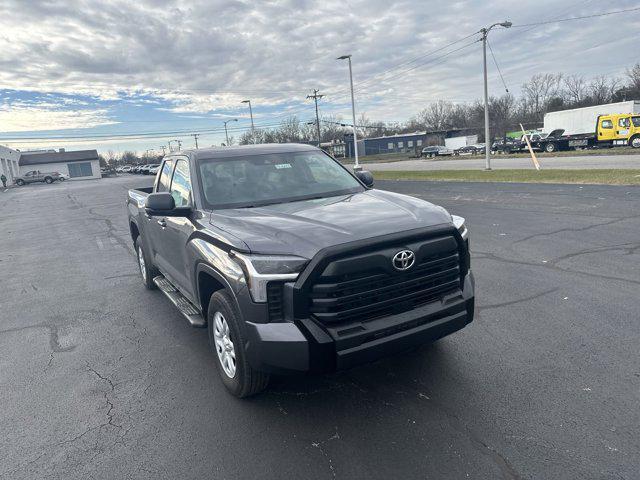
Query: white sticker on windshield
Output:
(283,165)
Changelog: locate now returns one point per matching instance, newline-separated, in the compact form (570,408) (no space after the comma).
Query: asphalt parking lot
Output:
(100,378)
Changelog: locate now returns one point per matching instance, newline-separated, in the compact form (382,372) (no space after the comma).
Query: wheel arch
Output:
(209,281)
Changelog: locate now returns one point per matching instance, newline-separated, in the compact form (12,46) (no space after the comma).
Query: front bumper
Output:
(308,346)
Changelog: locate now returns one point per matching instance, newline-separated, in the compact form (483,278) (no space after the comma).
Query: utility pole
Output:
(195,137)
(179,144)
(163,150)
(315,97)
(226,133)
(353,111)
(487,133)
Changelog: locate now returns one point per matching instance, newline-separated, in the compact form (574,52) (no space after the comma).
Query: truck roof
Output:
(245,150)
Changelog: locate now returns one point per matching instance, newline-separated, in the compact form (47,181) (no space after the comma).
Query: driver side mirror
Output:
(365,177)
(163,204)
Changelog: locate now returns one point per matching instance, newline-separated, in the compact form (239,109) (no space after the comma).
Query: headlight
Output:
(459,223)
(262,269)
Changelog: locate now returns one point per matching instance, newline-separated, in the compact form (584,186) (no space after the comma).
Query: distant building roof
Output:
(57,157)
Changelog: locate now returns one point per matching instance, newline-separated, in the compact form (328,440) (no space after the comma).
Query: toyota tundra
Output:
(295,263)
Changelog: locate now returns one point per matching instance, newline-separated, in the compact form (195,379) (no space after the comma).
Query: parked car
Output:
(466,150)
(153,169)
(37,176)
(63,176)
(508,145)
(233,238)
(107,171)
(436,151)
(126,169)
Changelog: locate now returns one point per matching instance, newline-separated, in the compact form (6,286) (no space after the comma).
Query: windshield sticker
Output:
(283,165)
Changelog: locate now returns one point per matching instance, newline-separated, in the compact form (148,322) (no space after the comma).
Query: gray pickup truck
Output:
(35,176)
(296,264)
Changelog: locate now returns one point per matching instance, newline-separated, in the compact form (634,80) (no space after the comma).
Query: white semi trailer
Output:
(579,121)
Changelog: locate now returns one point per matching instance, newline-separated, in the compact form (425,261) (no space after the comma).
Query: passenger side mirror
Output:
(163,204)
(365,177)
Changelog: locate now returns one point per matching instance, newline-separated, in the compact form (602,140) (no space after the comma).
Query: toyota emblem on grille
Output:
(403,260)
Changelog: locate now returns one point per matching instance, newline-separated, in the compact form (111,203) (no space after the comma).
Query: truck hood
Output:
(303,228)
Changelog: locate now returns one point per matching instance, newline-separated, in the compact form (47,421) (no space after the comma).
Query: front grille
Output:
(365,295)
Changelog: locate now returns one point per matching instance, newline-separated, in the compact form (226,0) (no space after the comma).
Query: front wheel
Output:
(635,141)
(227,341)
(48,180)
(20,182)
(61,179)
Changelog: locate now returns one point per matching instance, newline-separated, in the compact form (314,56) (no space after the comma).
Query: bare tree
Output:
(437,116)
(539,90)
(633,76)
(602,89)
(575,87)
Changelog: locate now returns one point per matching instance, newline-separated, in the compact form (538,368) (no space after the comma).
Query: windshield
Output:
(273,178)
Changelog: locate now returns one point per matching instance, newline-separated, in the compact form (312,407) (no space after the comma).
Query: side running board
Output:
(185,307)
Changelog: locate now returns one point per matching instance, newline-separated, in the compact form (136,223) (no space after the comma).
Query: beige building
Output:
(9,163)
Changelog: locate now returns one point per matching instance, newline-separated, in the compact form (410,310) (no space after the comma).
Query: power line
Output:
(497,66)
(413,60)
(570,19)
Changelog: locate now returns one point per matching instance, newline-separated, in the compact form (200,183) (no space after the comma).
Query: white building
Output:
(79,165)
(9,163)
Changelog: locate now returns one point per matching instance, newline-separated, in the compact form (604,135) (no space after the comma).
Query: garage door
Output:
(80,169)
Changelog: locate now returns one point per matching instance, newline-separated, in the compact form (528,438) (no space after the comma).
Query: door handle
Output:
(162,223)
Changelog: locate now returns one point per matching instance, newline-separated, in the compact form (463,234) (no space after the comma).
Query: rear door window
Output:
(181,185)
(164,180)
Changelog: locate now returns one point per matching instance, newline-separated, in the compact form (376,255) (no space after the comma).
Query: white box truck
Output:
(579,121)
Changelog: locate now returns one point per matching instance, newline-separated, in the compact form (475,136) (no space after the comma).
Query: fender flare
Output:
(201,267)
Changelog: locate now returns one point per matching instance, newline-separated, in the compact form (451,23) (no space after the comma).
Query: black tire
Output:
(550,147)
(147,270)
(635,141)
(246,381)
(20,182)
(48,180)
(61,179)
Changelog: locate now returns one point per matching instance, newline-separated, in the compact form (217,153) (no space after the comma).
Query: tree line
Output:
(542,93)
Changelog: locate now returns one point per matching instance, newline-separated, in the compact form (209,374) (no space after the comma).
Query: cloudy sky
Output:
(161,69)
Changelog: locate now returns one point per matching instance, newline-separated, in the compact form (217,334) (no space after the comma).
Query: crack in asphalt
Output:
(106,396)
(497,258)
(54,339)
(111,229)
(579,229)
(481,308)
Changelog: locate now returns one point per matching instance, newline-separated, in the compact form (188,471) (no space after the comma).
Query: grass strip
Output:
(591,176)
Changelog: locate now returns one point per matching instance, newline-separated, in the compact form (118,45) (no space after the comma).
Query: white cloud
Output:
(205,56)
(24,117)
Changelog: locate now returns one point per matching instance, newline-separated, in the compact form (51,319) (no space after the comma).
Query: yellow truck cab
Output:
(619,129)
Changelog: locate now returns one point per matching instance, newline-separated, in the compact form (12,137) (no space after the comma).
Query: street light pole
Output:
(253,129)
(353,111)
(226,134)
(487,133)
